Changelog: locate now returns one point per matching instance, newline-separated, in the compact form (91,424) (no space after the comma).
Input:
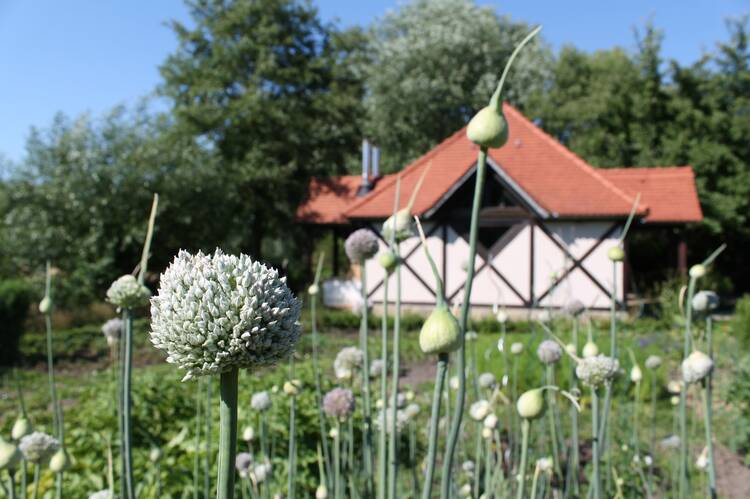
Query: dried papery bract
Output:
(216,314)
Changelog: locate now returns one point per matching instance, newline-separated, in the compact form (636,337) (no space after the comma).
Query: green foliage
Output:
(15,299)
(433,64)
(741,321)
(738,396)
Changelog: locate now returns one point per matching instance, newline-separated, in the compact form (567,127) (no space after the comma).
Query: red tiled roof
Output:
(328,199)
(555,179)
(669,192)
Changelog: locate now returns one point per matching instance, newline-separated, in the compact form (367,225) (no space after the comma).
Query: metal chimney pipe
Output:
(375,162)
(365,162)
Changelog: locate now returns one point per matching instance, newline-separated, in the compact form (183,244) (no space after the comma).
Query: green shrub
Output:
(738,393)
(15,299)
(741,322)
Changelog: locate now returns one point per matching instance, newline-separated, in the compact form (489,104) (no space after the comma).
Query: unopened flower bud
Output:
(502,317)
(697,271)
(516,348)
(616,254)
(248,434)
(10,456)
(479,410)
(490,421)
(59,461)
(21,428)
(590,350)
(155,454)
(674,400)
(313,290)
(486,433)
(705,301)
(653,362)
(321,492)
(45,306)
(636,375)
(571,349)
(530,404)
(388,260)
(292,387)
(488,128)
(399,227)
(440,332)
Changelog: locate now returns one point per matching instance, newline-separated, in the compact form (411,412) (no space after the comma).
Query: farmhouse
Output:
(546,223)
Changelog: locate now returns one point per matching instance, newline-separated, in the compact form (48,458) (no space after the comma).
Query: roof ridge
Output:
(391,178)
(651,169)
(577,160)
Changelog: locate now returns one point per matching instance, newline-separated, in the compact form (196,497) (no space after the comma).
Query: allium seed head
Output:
(339,403)
(549,352)
(479,410)
(653,362)
(361,245)
(127,292)
(486,380)
(242,462)
(260,401)
(38,447)
(593,371)
(112,330)
(696,367)
(348,360)
(516,348)
(217,312)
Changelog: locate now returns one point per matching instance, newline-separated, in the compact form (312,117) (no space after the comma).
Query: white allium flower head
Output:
(361,245)
(261,401)
(261,472)
(486,380)
(705,301)
(549,352)
(127,292)
(574,307)
(696,367)
(516,348)
(470,336)
(401,420)
(490,421)
(653,362)
(594,371)
(102,494)
(468,466)
(674,387)
(453,382)
(703,461)
(243,461)
(545,464)
(38,447)
(348,360)
(465,490)
(502,316)
(218,312)
(479,410)
(112,330)
(411,411)
(376,368)
(670,442)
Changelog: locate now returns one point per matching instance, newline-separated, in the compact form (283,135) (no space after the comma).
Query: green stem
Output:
(477,458)
(337,461)
(455,428)
(24,479)
(126,406)
(514,415)
(688,339)
(227,433)
(652,438)
(393,441)
(488,467)
(636,422)
(596,485)
(367,434)
(318,391)
(573,468)
(292,446)
(525,424)
(382,450)
(208,413)
(708,412)
(197,458)
(534,482)
(12,484)
(35,494)
(551,417)
(442,365)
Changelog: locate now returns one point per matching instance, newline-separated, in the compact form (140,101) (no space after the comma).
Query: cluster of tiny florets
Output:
(376,368)
(339,403)
(549,352)
(242,462)
(37,447)
(594,371)
(348,360)
(486,380)
(127,292)
(217,312)
(361,245)
(260,401)
(574,307)
(112,330)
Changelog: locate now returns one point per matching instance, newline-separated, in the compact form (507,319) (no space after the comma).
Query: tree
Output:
(433,64)
(269,91)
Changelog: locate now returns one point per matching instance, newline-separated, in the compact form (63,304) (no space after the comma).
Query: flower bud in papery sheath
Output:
(361,245)
(502,317)
(45,306)
(313,290)
(653,362)
(155,454)
(486,433)
(292,387)
(388,260)
(127,292)
(10,456)
(705,301)
(242,463)
(479,410)
(488,128)
(616,254)
(453,382)
(593,371)
(571,349)
(37,447)
(516,348)
(549,352)
(260,401)
(697,271)
(248,434)
(347,362)
(339,403)
(471,336)
(321,492)
(636,375)
(21,428)
(440,333)
(399,226)
(530,404)
(217,312)
(590,349)
(112,330)
(490,421)
(60,461)
(696,366)
(486,380)
(674,387)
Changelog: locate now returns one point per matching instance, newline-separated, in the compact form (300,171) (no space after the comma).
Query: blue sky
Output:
(80,56)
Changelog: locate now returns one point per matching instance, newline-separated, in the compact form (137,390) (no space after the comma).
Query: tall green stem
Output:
(36,481)
(208,445)
(708,413)
(367,434)
(652,437)
(688,340)
(126,406)
(461,354)
(339,493)
(574,452)
(318,389)
(227,434)
(197,457)
(292,446)
(596,485)
(393,441)
(525,425)
(12,484)
(437,396)
(382,449)
(551,414)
